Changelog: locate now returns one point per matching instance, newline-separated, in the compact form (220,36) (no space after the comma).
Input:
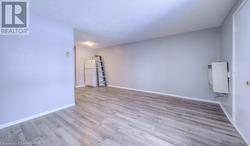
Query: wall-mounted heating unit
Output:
(218,77)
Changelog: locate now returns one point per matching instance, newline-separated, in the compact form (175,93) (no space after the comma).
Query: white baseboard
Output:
(166,94)
(34,116)
(190,98)
(160,93)
(241,134)
(80,86)
(234,124)
(229,117)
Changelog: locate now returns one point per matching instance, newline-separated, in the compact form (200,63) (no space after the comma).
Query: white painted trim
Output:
(189,98)
(229,117)
(233,58)
(241,134)
(80,86)
(233,70)
(34,116)
(166,94)
(233,123)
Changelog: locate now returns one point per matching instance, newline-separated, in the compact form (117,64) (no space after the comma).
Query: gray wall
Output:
(226,54)
(36,76)
(242,116)
(242,74)
(82,54)
(174,65)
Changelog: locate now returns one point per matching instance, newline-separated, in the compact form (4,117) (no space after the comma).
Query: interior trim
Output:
(190,98)
(34,116)
(166,94)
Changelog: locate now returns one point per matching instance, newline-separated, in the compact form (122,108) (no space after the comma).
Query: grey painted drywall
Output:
(242,74)
(82,54)
(226,55)
(174,65)
(36,76)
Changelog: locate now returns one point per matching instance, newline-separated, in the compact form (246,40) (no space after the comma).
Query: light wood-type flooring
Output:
(117,117)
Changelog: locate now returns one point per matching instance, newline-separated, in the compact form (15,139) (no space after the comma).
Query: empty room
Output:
(125,73)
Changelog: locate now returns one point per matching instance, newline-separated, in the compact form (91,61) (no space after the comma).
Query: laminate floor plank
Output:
(118,117)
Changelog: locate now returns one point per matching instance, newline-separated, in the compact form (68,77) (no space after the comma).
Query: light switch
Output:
(248,83)
(67,54)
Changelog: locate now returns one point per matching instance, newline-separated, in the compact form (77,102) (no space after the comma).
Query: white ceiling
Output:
(113,22)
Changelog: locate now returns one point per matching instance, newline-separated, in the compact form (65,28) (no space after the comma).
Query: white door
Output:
(242,69)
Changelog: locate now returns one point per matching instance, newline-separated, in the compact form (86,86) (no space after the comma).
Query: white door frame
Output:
(233,58)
